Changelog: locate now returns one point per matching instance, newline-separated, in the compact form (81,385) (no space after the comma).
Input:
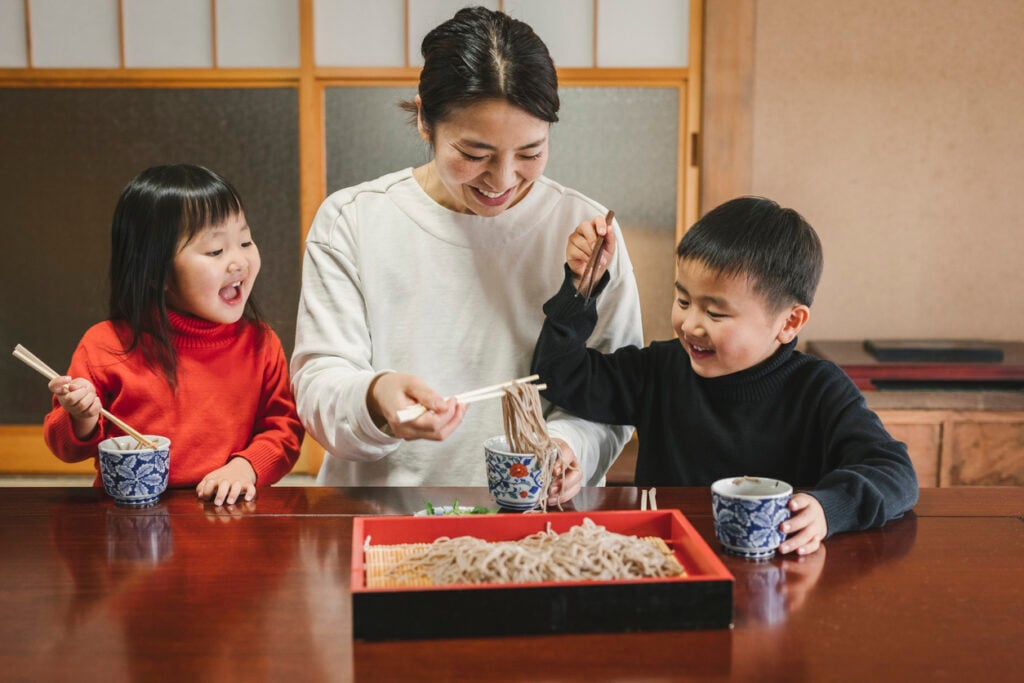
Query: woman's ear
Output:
(797,317)
(421,127)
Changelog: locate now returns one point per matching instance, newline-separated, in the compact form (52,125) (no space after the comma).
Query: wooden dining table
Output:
(187,591)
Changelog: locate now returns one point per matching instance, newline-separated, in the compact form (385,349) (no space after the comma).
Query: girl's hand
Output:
(393,391)
(807,527)
(581,245)
(226,483)
(78,397)
(563,490)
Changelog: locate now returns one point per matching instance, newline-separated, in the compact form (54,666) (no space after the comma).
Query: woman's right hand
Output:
(78,397)
(581,245)
(392,391)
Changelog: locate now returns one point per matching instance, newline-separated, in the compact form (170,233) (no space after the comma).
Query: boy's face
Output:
(724,325)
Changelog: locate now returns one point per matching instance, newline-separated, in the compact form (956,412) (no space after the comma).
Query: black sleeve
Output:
(599,387)
(870,478)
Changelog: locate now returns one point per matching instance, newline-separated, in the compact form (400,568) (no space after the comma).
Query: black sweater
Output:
(793,417)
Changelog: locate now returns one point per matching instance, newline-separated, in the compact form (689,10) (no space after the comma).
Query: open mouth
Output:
(232,292)
(699,350)
(491,198)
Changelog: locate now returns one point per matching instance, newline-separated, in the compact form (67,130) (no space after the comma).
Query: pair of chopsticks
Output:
(481,394)
(31,360)
(644,497)
(587,280)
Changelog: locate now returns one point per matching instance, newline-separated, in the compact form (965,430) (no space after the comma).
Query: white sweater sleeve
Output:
(330,367)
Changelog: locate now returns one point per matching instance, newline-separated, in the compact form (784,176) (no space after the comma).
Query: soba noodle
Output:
(584,552)
(526,432)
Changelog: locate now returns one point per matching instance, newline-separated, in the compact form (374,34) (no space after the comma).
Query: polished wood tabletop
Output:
(187,591)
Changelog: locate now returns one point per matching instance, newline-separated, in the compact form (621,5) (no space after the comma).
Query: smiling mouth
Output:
(491,198)
(699,350)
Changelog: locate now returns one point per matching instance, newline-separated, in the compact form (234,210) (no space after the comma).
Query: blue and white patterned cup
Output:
(748,513)
(134,475)
(514,479)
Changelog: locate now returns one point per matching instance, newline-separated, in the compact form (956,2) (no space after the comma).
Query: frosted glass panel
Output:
(617,145)
(258,33)
(566,27)
(71,33)
(13,50)
(368,135)
(643,33)
(167,34)
(424,15)
(69,152)
(358,33)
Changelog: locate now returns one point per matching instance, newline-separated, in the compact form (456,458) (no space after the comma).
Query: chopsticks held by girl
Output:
(184,353)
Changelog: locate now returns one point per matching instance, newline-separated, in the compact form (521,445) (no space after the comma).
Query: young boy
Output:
(732,396)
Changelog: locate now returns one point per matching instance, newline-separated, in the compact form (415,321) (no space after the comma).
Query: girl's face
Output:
(213,274)
(486,157)
(724,324)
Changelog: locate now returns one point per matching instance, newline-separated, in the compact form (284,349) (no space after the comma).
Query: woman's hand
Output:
(78,397)
(563,490)
(807,527)
(581,246)
(226,483)
(392,391)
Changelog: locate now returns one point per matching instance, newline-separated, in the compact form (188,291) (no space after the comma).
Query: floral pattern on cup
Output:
(748,512)
(132,475)
(513,479)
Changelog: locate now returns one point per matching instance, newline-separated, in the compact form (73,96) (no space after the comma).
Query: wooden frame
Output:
(21,446)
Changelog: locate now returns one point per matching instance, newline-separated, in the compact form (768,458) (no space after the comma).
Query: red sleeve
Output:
(277,432)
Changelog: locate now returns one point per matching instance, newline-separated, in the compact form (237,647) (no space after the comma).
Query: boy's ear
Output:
(797,317)
(420,126)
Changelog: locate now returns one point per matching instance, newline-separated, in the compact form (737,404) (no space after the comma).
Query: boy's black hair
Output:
(755,237)
(160,207)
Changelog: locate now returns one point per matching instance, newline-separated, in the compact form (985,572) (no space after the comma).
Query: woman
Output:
(430,281)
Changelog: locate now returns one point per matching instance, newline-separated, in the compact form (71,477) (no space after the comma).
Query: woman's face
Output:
(486,157)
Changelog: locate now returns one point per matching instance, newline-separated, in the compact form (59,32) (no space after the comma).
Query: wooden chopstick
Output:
(481,394)
(586,286)
(33,361)
(649,494)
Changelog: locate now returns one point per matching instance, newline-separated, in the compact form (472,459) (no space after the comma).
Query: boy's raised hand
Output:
(581,246)
(806,528)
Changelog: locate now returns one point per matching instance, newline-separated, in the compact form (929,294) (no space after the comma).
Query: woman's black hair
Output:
(160,208)
(478,55)
(755,237)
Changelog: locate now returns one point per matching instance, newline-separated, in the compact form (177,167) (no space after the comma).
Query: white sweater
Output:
(392,280)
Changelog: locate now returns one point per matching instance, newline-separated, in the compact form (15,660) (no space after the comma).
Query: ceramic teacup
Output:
(514,479)
(748,513)
(134,474)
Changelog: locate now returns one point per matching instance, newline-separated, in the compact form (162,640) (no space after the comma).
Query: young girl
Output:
(184,354)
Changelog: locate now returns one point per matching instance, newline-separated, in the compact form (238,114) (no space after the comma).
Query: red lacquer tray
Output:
(700,599)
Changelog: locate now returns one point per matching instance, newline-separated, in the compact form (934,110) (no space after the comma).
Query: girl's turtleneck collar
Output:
(192,332)
(758,382)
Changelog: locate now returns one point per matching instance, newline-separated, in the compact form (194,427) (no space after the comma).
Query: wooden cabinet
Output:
(958,438)
(954,438)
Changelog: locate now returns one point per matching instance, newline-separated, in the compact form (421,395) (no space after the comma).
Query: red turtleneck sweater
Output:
(233,398)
